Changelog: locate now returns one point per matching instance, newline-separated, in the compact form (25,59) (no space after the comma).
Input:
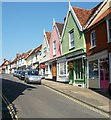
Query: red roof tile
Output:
(6,62)
(27,54)
(38,48)
(48,34)
(60,27)
(83,15)
(108,11)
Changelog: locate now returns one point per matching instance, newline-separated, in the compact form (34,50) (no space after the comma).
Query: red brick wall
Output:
(101,38)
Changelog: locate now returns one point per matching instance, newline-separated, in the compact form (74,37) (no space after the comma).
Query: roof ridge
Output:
(59,22)
(81,8)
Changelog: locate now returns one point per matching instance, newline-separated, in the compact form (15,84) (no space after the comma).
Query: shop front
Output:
(62,72)
(110,71)
(77,69)
(48,70)
(98,69)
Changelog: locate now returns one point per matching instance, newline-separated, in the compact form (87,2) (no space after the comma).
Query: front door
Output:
(54,71)
(104,75)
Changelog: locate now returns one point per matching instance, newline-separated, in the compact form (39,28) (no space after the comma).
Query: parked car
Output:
(32,76)
(22,75)
(15,72)
(18,73)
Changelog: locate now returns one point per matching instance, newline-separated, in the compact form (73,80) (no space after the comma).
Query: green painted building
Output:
(73,57)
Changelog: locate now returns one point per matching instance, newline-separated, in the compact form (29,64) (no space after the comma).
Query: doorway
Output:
(104,75)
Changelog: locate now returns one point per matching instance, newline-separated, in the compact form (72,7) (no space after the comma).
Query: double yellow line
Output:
(9,107)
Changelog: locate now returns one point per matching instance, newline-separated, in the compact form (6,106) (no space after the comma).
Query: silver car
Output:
(32,76)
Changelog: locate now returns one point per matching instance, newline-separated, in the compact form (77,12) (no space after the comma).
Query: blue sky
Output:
(23,23)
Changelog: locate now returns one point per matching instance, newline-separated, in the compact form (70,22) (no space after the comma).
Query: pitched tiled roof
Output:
(38,48)
(84,15)
(4,63)
(14,60)
(105,10)
(60,27)
(48,34)
(108,11)
(27,54)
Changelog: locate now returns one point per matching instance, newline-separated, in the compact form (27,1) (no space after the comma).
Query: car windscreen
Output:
(33,72)
(23,73)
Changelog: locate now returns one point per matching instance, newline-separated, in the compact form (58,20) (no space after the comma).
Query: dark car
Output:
(15,72)
(22,75)
(18,73)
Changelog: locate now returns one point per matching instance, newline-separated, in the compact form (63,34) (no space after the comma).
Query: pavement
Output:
(84,95)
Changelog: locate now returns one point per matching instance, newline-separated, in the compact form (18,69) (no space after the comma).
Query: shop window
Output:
(78,69)
(93,69)
(62,68)
(46,69)
(50,68)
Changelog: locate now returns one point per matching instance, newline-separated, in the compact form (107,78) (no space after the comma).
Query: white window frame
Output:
(92,39)
(70,40)
(44,51)
(109,39)
(65,68)
(54,48)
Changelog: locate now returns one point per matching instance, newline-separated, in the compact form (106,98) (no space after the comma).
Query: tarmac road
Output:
(37,101)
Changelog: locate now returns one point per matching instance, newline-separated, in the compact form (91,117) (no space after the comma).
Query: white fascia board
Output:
(95,13)
(65,24)
(46,40)
(58,32)
(76,19)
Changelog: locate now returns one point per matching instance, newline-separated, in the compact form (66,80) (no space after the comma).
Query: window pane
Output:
(71,38)
(109,23)
(93,38)
(78,69)
(62,66)
(93,69)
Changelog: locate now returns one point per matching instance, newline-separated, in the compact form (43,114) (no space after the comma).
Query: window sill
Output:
(64,75)
(109,42)
(92,47)
(71,48)
(54,55)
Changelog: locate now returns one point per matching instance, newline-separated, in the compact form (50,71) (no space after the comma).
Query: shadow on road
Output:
(12,89)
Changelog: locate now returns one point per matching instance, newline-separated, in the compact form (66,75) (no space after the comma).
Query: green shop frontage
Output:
(76,65)
(72,68)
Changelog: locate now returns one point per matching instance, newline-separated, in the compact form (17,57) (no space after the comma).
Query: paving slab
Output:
(85,95)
